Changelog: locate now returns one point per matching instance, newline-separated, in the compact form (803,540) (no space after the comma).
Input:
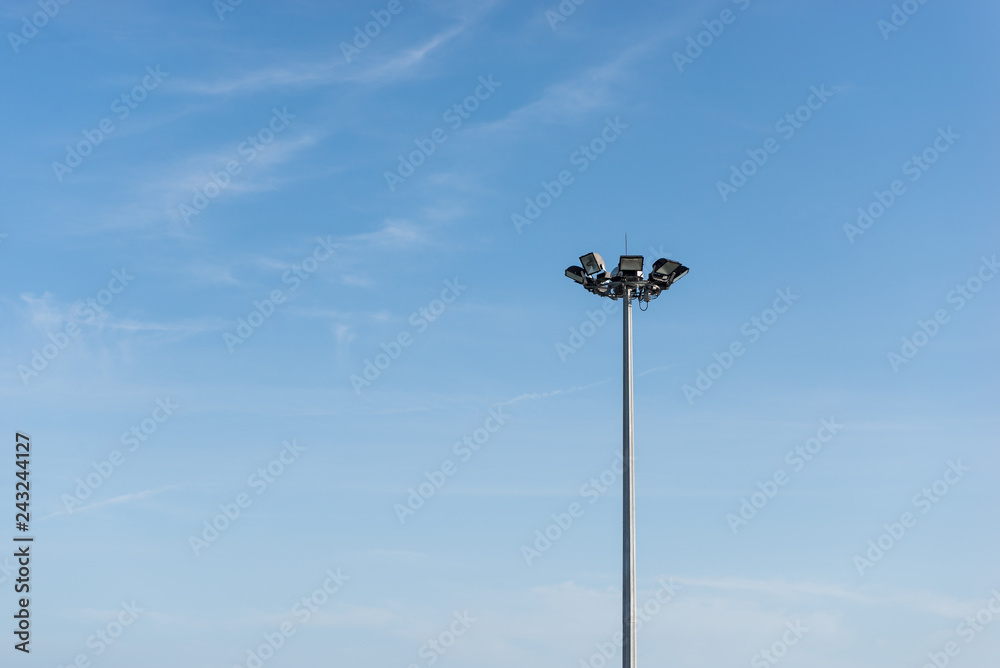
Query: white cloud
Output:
(114,501)
(368,68)
(532,396)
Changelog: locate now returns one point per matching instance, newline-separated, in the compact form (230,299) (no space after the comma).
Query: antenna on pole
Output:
(626,243)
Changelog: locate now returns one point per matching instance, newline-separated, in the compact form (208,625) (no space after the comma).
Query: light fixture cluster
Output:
(594,276)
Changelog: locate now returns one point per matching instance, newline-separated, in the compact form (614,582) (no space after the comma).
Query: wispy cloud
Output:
(596,88)
(778,588)
(291,76)
(181,328)
(655,369)
(927,602)
(368,69)
(46,313)
(404,62)
(532,396)
(372,67)
(117,500)
(394,233)
(161,194)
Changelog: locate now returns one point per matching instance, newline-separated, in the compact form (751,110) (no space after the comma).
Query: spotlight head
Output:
(630,265)
(577,274)
(667,271)
(592,264)
(664,267)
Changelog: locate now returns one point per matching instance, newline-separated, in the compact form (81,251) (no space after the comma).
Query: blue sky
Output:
(201,249)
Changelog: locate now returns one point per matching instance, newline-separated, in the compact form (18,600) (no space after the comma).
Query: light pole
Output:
(626,282)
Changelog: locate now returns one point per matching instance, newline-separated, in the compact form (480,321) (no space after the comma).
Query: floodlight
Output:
(630,265)
(663,267)
(667,271)
(576,273)
(592,264)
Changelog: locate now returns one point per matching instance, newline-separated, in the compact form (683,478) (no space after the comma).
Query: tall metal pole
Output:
(627,282)
(628,497)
